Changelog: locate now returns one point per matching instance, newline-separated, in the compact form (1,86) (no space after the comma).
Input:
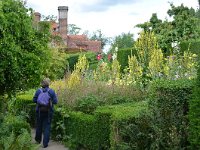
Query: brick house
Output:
(72,43)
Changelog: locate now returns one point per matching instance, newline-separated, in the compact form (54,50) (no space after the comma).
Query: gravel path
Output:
(52,144)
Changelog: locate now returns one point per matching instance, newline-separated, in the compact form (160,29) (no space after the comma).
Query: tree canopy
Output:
(73,29)
(125,40)
(184,26)
(23,48)
(98,36)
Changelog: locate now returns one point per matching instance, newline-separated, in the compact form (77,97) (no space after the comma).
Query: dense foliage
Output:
(23,49)
(58,65)
(191,45)
(194,113)
(184,26)
(123,41)
(15,133)
(169,104)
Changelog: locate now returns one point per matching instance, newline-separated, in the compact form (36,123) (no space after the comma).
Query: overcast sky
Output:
(112,17)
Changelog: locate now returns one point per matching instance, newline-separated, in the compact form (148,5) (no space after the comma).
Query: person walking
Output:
(45,98)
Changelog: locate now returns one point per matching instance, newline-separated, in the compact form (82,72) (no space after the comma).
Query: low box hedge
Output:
(24,103)
(121,116)
(104,129)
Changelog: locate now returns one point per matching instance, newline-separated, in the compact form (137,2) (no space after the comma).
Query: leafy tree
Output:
(184,26)
(185,23)
(73,29)
(23,49)
(99,36)
(49,18)
(146,26)
(125,40)
(152,25)
(58,64)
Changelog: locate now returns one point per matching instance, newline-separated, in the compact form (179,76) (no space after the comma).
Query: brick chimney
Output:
(36,20)
(63,12)
(37,17)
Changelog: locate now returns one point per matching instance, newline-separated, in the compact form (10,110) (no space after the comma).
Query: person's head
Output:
(45,82)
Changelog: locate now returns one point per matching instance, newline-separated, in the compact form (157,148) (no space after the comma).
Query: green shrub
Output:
(104,129)
(119,115)
(193,46)
(87,104)
(72,59)
(91,57)
(58,65)
(122,56)
(93,62)
(82,131)
(194,113)
(169,107)
(15,134)
(24,104)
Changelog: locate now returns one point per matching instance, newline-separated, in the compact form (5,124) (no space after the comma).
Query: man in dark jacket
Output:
(44,117)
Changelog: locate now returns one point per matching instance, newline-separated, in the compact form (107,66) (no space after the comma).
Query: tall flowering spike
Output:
(189,63)
(147,47)
(134,69)
(82,65)
(156,63)
(115,71)
(79,70)
(74,80)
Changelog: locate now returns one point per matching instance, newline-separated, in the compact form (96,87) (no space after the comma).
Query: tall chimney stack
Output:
(63,12)
(36,20)
(37,17)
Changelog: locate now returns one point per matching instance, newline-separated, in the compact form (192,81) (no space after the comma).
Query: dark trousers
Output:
(43,126)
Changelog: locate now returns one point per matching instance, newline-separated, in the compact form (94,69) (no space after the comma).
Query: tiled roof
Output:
(81,41)
(54,25)
(78,37)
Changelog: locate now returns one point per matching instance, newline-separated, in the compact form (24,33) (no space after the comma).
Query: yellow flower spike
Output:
(80,68)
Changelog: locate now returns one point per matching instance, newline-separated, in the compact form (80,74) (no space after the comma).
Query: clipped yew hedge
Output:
(169,105)
(122,56)
(194,115)
(83,131)
(118,118)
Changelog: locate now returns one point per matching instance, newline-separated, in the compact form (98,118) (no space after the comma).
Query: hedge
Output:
(169,106)
(24,103)
(104,129)
(194,115)
(122,56)
(73,59)
(119,116)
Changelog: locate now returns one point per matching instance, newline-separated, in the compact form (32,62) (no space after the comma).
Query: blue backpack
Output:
(43,100)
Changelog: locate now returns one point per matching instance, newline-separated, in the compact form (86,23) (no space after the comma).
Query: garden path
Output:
(52,144)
